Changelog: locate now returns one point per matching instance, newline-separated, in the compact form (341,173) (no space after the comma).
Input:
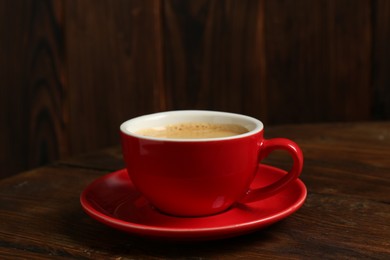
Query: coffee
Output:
(194,130)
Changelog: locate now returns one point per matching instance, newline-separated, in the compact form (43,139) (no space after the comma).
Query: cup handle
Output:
(266,147)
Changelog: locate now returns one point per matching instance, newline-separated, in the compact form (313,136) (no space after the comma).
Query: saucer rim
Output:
(152,229)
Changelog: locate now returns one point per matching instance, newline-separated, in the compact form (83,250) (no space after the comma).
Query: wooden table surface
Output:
(346,214)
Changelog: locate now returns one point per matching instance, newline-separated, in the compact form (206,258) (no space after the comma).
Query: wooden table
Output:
(346,214)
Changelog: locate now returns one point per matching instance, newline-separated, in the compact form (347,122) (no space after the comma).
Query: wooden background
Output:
(72,71)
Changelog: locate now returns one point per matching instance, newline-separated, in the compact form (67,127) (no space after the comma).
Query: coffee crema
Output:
(193,130)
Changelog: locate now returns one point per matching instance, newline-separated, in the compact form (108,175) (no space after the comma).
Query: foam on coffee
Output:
(194,130)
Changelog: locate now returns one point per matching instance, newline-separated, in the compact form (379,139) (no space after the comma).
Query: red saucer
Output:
(113,201)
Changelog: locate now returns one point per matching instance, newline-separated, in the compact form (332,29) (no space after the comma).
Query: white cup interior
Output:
(162,119)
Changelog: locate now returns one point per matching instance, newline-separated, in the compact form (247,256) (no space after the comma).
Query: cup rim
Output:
(129,127)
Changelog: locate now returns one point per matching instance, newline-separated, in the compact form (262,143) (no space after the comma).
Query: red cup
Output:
(198,177)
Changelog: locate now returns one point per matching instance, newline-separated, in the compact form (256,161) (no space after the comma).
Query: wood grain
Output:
(72,71)
(114,67)
(46,88)
(346,214)
(318,60)
(35,96)
(214,56)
